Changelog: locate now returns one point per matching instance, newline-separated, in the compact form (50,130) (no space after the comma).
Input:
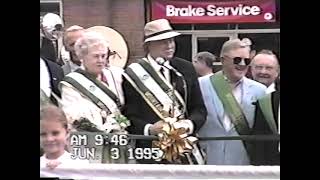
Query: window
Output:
(50,7)
(183,47)
(264,41)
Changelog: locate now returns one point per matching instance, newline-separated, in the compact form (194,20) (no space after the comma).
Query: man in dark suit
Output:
(50,76)
(267,121)
(159,43)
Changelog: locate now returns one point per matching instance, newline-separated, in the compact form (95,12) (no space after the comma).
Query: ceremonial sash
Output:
(155,89)
(266,108)
(94,90)
(231,106)
(158,94)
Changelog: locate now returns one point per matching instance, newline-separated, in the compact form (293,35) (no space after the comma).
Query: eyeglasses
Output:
(238,60)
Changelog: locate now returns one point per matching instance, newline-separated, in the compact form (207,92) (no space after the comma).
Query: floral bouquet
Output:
(115,122)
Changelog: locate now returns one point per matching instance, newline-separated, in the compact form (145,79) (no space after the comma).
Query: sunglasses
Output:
(238,60)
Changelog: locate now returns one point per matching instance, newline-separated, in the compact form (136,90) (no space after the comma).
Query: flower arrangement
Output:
(115,122)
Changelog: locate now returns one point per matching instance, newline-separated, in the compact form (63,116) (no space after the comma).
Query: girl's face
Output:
(53,137)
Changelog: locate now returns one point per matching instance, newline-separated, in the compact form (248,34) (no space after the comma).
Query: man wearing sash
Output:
(161,86)
(228,96)
(267,121)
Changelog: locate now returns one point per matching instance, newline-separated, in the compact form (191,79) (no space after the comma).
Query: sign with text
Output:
(214,11)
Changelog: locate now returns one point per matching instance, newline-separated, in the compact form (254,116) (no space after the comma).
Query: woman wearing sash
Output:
(229,98)
(93,92)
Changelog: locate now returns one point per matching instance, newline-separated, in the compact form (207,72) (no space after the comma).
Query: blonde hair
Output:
(232,44)
(53,113)
(88,40)
(73,28)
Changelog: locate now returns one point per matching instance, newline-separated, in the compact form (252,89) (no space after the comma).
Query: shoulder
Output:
(179,61)
(51,64)
(204,79)
(116,69)
(254,84)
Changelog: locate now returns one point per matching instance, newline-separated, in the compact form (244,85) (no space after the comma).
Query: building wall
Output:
(129,19)
(125,16)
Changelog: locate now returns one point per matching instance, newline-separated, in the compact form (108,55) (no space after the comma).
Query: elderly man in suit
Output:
(267,121)
(161,84)
(228,96)
(50,76)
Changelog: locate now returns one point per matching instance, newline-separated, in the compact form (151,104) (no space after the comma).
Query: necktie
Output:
(162,71)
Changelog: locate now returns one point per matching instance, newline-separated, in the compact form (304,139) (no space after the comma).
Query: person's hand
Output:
(156,128)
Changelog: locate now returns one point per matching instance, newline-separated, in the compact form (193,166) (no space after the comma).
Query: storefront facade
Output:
(204,25)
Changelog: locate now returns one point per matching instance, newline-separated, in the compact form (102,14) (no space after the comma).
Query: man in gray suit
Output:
(228,96)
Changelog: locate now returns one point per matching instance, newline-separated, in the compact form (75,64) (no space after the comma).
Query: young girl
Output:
(54,135)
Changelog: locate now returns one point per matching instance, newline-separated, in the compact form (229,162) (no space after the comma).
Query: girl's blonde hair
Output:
(53,113)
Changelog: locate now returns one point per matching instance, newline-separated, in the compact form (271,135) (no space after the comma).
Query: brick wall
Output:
(128,18)
(125,16)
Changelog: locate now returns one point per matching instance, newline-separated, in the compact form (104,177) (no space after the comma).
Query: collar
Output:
(271,88)
(73,66)
(63,156)
(154,64)
(232,83)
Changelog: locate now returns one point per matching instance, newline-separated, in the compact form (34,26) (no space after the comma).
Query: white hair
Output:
(232,44)
(88,40)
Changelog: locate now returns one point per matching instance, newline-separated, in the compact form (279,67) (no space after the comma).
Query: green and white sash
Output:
(266,108)
(231,106)
(94,90)
(155,89)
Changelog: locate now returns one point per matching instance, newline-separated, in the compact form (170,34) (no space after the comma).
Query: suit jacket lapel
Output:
(275,97)
(175,79)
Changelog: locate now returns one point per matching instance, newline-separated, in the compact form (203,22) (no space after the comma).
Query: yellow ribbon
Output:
(174,142)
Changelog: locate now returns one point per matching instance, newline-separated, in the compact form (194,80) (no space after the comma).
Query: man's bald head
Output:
(265,67)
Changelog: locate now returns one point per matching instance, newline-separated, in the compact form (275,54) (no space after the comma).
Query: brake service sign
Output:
(214,11)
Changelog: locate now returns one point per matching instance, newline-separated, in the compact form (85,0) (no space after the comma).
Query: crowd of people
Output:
(158,90)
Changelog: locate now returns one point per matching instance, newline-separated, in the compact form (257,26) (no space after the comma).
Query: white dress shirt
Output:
(45,83)
(271,88)
(237,92)
(166,73)
(158,67)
